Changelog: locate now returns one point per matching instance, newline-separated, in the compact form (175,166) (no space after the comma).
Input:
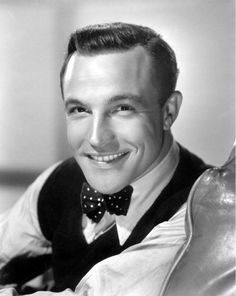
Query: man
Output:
(118,85)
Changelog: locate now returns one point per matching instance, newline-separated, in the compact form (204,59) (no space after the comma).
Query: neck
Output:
(166,144)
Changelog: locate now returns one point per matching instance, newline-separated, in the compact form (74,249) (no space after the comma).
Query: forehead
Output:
(108,73)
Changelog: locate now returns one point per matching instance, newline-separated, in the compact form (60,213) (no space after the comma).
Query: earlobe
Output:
(171,109)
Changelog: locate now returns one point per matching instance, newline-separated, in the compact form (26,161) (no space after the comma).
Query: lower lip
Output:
(109,163)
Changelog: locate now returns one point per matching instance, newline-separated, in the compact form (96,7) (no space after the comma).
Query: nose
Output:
(102,135)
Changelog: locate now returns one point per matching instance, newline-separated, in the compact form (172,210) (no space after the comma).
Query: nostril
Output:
(102,138)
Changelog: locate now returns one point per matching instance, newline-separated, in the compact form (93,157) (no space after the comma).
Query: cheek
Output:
(75,134)
(130,131)
(144,130)
(154,128)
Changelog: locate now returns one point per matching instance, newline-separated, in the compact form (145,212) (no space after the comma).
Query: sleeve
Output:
(13,292)
(141,269)
(20,233)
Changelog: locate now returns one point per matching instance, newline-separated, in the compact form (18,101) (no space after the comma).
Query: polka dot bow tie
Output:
(94,203)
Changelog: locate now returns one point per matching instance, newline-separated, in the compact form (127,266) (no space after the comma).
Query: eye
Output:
(74,110)
(124,109)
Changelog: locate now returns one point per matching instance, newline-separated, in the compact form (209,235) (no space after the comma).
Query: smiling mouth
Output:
(107,158)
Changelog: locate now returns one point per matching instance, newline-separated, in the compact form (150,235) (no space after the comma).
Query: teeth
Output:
(107,157)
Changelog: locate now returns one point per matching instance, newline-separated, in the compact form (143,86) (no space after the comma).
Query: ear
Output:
(171,109)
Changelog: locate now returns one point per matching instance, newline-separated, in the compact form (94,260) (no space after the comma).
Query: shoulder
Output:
(63,173)
(190,163)
(189,168)
(59,192)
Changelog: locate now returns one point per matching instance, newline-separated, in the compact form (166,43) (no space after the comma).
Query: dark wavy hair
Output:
(111,37)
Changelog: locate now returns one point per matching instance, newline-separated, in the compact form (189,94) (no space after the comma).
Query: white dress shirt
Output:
(137,266)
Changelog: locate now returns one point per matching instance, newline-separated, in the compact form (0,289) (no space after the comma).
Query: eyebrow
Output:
(72,101)
(114,99)
(123,97)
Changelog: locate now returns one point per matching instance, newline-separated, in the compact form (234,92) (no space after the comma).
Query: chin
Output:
(106,187)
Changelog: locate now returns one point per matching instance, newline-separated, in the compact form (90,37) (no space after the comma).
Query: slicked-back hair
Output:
(118,37)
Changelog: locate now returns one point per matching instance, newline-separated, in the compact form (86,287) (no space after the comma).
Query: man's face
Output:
(114,118)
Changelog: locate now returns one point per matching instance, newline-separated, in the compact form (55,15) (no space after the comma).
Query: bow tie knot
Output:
(94,203)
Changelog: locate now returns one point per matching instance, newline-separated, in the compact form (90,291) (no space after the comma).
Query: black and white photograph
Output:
(117,148)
